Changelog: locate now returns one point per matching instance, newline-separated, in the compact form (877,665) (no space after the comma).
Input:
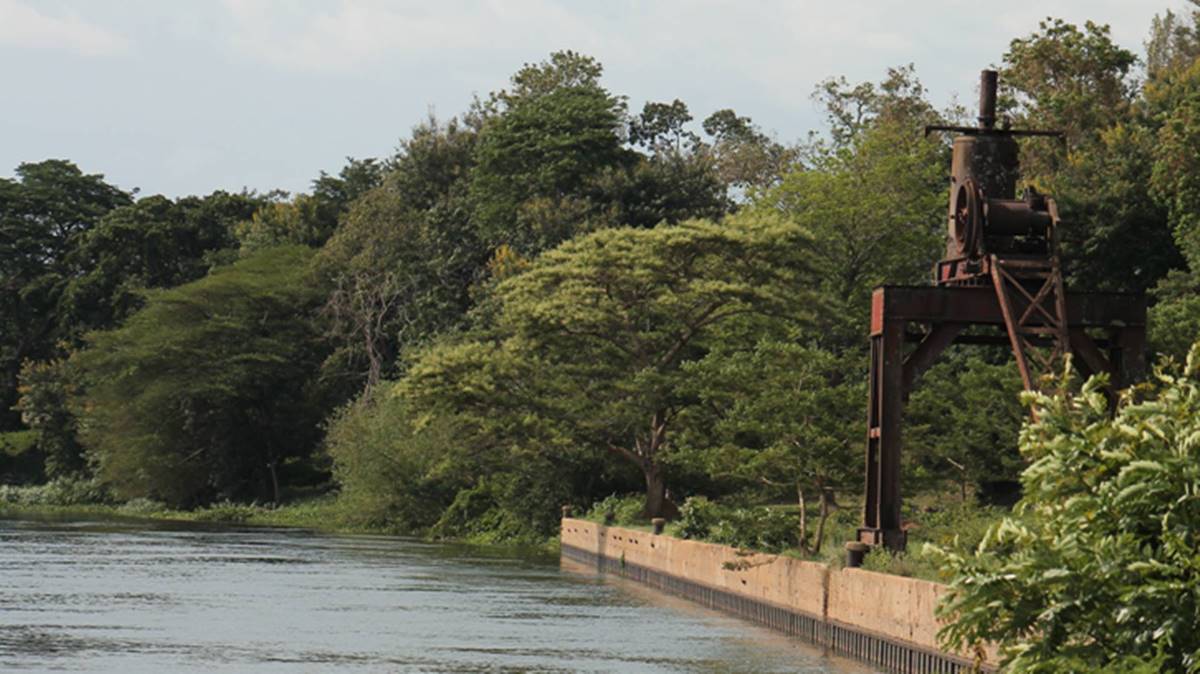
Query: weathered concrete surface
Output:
(780,581)
(897,608)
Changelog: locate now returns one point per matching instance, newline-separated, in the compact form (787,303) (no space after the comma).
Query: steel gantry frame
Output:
(911,326)
(1002,269)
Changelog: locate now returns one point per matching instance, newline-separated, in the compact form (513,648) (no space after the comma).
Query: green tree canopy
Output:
(154,243)
(782,416)
(557,130)
(44,212)
(399,276)
(1172,103)
(962,422)
(1077,80)
(309,219)
(607,320)
(209,390)
(874,198)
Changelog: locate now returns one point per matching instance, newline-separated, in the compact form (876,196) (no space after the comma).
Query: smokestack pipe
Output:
(987,99)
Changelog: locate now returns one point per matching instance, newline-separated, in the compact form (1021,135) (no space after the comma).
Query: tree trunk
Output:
(274,481)
(962,478)
(816,548)
(657,503)
(803,518)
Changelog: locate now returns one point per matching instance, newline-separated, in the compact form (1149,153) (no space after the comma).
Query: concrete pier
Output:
(887,621)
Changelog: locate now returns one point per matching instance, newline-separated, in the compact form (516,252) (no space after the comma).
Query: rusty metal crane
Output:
(1002,269)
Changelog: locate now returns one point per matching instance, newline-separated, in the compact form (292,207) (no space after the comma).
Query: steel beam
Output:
(946,311)
(946,304)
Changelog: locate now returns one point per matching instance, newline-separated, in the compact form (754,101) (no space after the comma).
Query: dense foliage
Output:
(1103,566)
(208,391)
(553,298)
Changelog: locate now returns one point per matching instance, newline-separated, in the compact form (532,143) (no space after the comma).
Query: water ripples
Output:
(83,596)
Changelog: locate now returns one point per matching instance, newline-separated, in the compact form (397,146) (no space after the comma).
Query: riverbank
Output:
(325,514)
(319,514)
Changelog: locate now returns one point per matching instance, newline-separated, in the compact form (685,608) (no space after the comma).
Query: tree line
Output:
(551,298)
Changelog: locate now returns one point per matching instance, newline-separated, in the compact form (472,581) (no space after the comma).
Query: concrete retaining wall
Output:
(882,619)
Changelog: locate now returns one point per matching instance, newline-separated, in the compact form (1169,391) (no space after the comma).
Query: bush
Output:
(488,513)
(619,510)
(1105,562)
(390,473)
(60,492)
(761,528)
(141,506)
(227,512)
(697,517)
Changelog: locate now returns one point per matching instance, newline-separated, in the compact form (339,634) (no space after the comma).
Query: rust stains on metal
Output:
(1002,269)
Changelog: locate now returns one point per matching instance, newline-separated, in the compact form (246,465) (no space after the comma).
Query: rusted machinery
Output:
(1002,269)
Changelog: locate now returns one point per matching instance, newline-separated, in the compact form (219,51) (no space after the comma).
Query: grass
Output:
(322,513)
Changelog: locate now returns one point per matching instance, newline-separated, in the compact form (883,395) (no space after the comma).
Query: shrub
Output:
(227,512)
(141,506)
(391,474)
(697,517)
(760,528)
(485,514)
(620,510)
(1106,562)
(59,492)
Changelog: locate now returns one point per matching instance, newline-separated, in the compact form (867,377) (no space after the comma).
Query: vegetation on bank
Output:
(324,513)
(67,498)
(552,298)
(773,528)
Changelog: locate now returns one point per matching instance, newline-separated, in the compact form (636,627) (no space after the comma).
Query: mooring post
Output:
(855,553)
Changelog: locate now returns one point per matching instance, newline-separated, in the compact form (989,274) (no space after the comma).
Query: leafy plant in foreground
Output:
(1107,563)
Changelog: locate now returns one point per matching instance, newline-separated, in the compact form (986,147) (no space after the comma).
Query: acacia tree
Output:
(607,321)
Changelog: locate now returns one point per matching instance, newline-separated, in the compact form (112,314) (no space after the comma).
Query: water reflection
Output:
(79,596)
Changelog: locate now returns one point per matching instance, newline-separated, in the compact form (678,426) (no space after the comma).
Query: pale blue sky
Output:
(187,96)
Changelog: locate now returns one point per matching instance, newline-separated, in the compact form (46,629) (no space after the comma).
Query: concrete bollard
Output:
(855,552)
(659,523)
(566,511)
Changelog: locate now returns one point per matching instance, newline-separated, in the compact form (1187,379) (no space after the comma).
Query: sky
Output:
(189,96)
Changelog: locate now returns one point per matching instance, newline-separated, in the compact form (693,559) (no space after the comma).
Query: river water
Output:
(110,597)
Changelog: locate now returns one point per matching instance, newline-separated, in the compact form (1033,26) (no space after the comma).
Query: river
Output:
(113,597)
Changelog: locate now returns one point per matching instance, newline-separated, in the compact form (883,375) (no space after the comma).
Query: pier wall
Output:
(885,620)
